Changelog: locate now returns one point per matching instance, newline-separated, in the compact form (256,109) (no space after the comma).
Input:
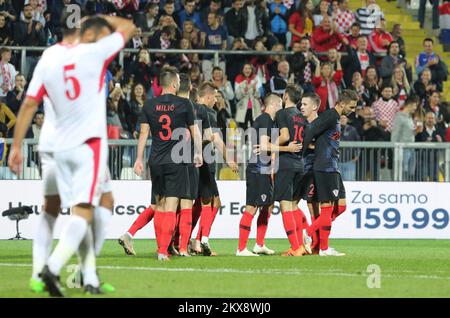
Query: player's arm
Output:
(220,145)
(281,121)
(267,146)
(197,137)
(26,113)
(143,136)
(284,136)
(121,25)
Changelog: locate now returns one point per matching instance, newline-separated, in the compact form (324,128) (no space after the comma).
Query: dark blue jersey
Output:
(262,126)
(308,154)
(292,119)
(326,129)
(212,121)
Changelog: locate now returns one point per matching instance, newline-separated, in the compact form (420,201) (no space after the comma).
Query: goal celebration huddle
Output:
(295,154)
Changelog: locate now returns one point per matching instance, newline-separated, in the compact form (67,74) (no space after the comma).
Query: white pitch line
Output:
(256,271)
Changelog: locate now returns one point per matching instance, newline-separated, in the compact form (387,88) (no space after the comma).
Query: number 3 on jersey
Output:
(71,95)
(165,121)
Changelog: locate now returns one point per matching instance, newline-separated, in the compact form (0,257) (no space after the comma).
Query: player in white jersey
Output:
(75,84)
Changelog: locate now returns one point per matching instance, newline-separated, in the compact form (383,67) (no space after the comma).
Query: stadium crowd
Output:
(332,48)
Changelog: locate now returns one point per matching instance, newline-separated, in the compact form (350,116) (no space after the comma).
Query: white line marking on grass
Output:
(256,271)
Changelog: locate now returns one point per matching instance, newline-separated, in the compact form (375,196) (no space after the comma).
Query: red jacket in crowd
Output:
(377,39)
(322,40)
(322,86)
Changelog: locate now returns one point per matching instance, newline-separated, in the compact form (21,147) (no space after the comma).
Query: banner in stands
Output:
(375,210)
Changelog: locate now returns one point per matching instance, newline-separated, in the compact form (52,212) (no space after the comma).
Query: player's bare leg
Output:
(43,238)
(262,224)
(244,231)
(288,209)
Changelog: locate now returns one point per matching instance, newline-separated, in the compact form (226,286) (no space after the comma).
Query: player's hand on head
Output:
(15,160)
(138,167)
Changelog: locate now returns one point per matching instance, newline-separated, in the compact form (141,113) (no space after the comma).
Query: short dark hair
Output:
(384,86)
(168,74)
(313,97)
(206,88)
(216,68)
(356,24)
(348,95)
(39,112)
(428,40)
(169,2)
(4,50)
(269,97)
(96,23)
(413,99)
(185,83)
(294,93)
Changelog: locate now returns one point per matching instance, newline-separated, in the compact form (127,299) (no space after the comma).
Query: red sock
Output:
(262,222)
(159,218)
(338,210)
(290,228)
(315,236)
(206,220)
(196,212)
(244,229)
(298,217)
(185,228)
(315,224)
(176,233)
(142,220)
(325,226)
(167,227)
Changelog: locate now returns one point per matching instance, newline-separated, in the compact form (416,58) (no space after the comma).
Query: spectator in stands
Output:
(235,63)
(424,86)
(322,12)
(223,85)
(397,37)
(137,41)
(186,60)
(15,97)
(277,16)
(258,24)
(247,95)
(326,37)
(136,104)
(404,130)
(191,33)
(7,117)
(429,158)
(380,39)
(164,40)
(400,85)
(235,20)
(429,59)
(386,107)
(213,37)
(357,60)
(391,60)
(168,21)
(223,113)
(347,164)
(7,73)
(7,10)
(126,8)
(361,90)
(372,83)
(196,76)
(149,20)
(276,58)
(143,70)
(94,7)
(370,129)
(332,56)
(326,81)
(279,82)
(189,14)
(29,33)
(36,12)
(6,34)
(368,16)
(301,22)
(261,65)
(302,64)
(119,113)
(440,110)
(354,34)
(215,6)
(344,18)
(36,127)
(435,16)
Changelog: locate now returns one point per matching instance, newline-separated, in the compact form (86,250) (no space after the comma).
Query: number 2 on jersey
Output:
(298,133)
(75,93)
(165,121)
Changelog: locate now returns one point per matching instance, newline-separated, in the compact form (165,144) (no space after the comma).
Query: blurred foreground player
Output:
(75,83)
(326,130)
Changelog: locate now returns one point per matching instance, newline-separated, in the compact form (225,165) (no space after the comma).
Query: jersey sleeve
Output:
(212,116)
(144,117)
(325,121)
(266,126)
(280,119)
(36,88)
(204,118)
(108,47)
(190,114)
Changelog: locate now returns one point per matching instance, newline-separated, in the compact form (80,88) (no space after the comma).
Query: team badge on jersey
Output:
(335,192)
(263,197)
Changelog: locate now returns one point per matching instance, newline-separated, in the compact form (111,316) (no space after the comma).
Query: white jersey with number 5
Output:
(73,79)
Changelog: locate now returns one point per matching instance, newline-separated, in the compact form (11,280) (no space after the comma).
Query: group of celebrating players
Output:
(295,157)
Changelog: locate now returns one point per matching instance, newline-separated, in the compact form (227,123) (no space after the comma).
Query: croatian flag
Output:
(444,20)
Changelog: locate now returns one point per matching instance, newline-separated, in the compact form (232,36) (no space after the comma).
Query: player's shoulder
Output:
(263,119)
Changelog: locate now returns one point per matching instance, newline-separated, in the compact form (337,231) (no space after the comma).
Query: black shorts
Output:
(259,189)
(307,188)
(207,187)
(194,176)
(288,184)
(328,186)
(171,180)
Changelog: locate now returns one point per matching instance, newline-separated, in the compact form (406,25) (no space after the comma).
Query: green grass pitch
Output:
(408,268)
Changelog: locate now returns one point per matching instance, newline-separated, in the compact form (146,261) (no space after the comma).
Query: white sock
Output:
(86,255)
(102,217)
(71,237)
(205,240)
(42,242)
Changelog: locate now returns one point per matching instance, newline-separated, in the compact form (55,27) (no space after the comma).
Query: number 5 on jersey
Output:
(71,95)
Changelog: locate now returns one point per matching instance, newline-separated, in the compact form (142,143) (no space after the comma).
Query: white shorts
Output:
(82,173)
(48,165)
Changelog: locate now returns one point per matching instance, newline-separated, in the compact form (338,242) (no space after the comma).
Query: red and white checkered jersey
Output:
(74,82)
(344,21)
(386,110)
